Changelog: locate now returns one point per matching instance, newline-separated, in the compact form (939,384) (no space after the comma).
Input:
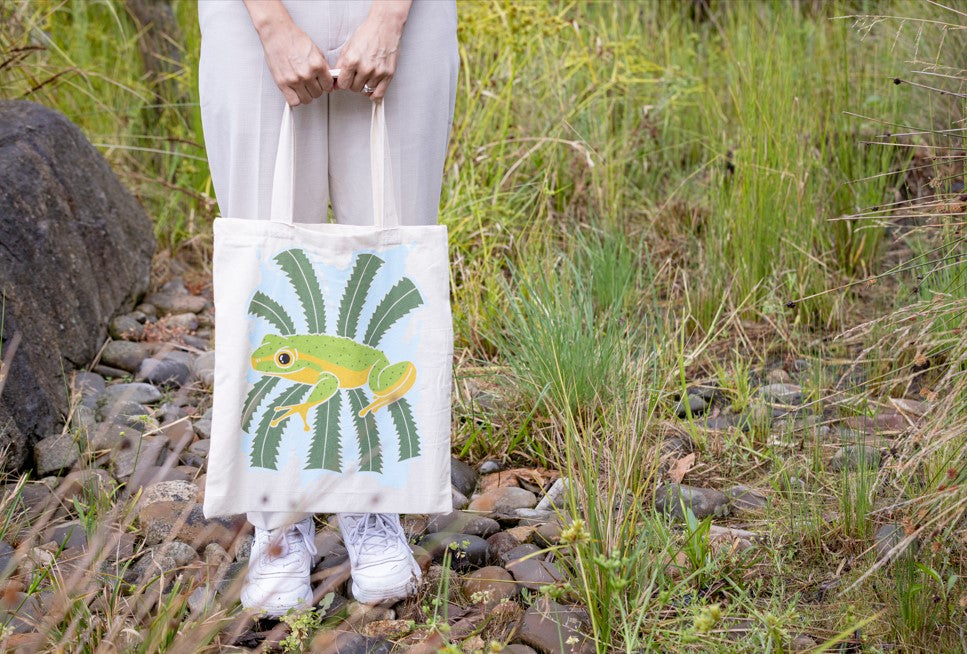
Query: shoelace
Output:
(373,532)
(287,538)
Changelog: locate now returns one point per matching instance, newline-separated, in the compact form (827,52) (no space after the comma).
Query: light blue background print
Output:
(399,343)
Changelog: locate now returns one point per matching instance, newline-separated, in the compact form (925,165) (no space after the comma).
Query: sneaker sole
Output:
(409,587)
(277,610)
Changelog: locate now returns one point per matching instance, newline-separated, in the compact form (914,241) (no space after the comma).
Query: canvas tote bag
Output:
(333,357)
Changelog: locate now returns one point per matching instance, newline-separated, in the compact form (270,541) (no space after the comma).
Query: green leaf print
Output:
(265,447)
(265,307)
(399,301)
(370,455)
(357,290)
(405,428)
(324,450)
(295,264)
(259,392)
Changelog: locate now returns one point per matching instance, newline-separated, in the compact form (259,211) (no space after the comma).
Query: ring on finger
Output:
(367,89)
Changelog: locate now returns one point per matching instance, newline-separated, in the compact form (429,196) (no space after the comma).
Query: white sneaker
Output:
(383,567)
(279,567)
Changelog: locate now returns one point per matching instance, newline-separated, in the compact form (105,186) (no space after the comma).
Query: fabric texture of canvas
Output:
(333,359)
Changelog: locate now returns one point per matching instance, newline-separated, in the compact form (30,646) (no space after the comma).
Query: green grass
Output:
(638,201)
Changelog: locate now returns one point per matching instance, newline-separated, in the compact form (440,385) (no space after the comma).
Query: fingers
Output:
(381,88)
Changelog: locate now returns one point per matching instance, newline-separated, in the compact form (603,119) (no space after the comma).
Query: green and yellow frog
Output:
(328,363)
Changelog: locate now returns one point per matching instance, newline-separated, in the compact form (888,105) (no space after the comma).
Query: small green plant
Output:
(303,624)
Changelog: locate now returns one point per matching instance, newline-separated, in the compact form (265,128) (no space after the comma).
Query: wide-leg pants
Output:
(241,110)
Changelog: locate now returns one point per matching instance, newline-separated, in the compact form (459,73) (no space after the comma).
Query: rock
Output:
(204,368)
(203,426)
(520,552)
(182,321)
(744,498)
(55,452)
(852,457)
(533,517)
(361,614)
(488,586)
(181,553)
(184,520)
(489,466)
(522,533)
(803,643)
(19,612)
(76,250)
(912,407)
(500,543)
(138,392)
(884,422)
(887,537)
(703,502)
(202,599)
(553,628)
(727,538)
(462,523)
(778,376)
(691,403)
(554,498)
(136,451)
(334,641)
(33,497)
(110,435)
(68,534)
(463,477)
(460,501)
(168,491)
(517,648)
(127,355)
(83,421)
(781,393)
(87,384)
(6,557)
(125,328)
(547,535)
(503,500)
(176,302)
(466,551)
(163,372)
(389,629)
(532,573)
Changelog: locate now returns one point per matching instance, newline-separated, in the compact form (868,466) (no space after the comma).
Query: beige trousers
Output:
(241,111)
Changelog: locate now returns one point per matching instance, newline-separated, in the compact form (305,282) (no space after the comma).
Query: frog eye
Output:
(284,358)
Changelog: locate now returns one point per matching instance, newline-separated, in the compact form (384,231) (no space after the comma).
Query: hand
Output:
(298,67)
(369,56)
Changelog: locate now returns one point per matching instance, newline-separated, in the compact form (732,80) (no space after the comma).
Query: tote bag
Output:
(333,357)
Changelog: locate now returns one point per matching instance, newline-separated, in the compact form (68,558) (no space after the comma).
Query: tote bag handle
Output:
(380,162)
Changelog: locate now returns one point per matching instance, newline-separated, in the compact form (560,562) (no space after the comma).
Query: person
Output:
(258,54)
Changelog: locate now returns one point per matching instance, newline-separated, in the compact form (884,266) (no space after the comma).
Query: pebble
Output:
(884,422)
(463,523)
(83,420)
(803,643)
(138,392)
(500,543)
(391,629)
(26,613)
(6,556)
(503,500)
(459,500)
(533,573)
(163,372)
(887,537)
(489,466)
(778,376)
(517,648)
(488,586)
(88,384)
(55,453)
(466,551)
(691,403)
(126,355)
(703,502)
(781,393)
(201,600)
(519,552)
(126,327)
(136,451)
(68,534)
(168,302)
(204,368)
(462,476)
(164,520)
(852,457)
(533,517)
(185,321)
(553,628)
(109,435)
(744,498)
(168,491)
(547,534)
(554,498)
(348,642)
(181,553)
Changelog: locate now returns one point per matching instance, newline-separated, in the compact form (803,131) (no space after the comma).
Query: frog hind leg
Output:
(389,383)
(324,389)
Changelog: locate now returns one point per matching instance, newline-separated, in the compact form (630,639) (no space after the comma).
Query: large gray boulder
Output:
(75,249)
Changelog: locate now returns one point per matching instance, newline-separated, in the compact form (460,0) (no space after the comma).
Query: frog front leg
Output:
(324,389)
(389,383)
